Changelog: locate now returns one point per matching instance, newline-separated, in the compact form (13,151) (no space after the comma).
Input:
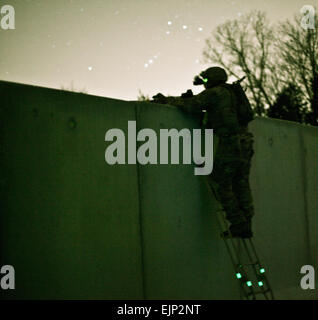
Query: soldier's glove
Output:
(187,94)
(197,81)
(160,98)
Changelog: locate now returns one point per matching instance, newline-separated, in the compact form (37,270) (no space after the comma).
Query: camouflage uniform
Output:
(233,157)
(242,186)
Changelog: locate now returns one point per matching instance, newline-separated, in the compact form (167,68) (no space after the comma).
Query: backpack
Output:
(244,110)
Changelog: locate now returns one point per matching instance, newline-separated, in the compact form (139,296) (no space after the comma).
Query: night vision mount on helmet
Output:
(210,74)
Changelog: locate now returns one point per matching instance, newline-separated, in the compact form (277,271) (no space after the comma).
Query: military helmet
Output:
(214,74)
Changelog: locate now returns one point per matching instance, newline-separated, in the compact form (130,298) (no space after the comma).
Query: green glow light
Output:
(249,283)
(262,270)
(260,283)
(238,276)
(205,80)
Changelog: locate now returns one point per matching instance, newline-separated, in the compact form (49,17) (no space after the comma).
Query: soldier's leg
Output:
(226,164)
(222,176)
(241,185)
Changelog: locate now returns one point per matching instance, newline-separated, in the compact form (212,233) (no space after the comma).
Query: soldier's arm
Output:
(192,105)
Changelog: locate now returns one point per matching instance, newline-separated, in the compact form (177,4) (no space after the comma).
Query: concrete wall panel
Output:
(184,256)
(310,158)
(280,225)
(70,224)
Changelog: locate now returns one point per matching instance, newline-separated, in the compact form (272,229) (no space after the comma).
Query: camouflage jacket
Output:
(219,103)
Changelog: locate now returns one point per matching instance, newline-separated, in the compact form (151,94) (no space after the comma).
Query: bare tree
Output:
(298,50)
(245,47)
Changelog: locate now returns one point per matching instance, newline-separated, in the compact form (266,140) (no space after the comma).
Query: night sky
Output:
(113,48)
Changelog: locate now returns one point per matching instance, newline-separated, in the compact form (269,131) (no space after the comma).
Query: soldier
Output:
(232,162)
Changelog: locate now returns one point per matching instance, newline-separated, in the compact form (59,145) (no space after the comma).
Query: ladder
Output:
(249,271)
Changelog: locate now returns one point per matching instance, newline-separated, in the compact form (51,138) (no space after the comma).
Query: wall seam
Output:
(305,198)
(144,292)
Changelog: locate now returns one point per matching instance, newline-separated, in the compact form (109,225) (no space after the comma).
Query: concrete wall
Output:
(75,227)
(70,224)
(284,182)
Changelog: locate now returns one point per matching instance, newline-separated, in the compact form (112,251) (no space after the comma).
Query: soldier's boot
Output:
(239,230)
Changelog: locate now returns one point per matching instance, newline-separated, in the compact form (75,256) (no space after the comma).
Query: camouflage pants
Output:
(231,171)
